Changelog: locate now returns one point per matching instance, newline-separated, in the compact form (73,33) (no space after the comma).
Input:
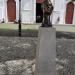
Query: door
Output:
(11,10)
(69,13)
(39,13)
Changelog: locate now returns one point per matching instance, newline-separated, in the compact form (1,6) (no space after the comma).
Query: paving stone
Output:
(9,51)
(19,67)
(2,69)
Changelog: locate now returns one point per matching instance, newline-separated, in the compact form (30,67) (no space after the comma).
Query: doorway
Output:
(39,13)
(69,13)
(11,10)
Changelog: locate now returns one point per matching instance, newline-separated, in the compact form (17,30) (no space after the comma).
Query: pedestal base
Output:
(46,52)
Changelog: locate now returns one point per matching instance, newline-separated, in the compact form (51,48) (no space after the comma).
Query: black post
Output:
(20,18)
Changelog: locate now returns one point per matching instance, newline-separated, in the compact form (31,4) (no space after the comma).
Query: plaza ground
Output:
(31,30)
(11,26)
(17,54)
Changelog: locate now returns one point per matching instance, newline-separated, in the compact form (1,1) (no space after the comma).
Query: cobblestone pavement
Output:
(17,56)
(65,56)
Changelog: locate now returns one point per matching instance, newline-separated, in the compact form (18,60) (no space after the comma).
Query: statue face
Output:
(47,10)
(49,1)
(48,7)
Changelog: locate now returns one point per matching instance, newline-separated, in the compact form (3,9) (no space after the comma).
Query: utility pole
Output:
(20,18)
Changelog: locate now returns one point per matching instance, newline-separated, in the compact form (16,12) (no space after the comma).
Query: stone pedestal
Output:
(46,52)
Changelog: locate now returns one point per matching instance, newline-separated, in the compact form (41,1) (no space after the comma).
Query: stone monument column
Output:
(46,52)
(46,49)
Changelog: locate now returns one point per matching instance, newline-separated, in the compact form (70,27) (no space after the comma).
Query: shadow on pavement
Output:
(14,33)
(34,33)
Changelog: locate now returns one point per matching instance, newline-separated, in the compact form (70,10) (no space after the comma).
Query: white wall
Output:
(28,11)
(74,14)
(28,14)
(2,10)
(17,10)
(59,12)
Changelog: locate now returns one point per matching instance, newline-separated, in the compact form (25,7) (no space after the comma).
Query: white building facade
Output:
(62,13)
(9,10)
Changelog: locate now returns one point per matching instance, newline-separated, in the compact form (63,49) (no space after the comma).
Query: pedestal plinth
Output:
(46,52)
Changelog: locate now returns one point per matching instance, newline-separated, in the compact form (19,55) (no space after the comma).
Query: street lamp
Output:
(20,18)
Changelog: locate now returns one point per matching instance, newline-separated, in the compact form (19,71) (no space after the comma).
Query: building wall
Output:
(2,9)
(28,10)
(74,14)
(59,13)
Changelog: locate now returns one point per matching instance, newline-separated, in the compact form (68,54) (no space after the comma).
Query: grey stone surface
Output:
(17,67)
(46,52)
(65,60)
(20,67)
(15,48)
(10,50)
(2,69)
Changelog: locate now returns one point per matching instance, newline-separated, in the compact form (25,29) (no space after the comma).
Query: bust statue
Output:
(47,10)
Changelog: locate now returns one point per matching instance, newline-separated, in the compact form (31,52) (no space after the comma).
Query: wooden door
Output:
(11,10)
(69,13)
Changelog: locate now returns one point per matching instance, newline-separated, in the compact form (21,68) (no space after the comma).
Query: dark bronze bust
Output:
(47,10)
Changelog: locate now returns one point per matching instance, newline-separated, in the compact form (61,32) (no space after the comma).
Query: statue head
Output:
(47,7)
(47,10)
